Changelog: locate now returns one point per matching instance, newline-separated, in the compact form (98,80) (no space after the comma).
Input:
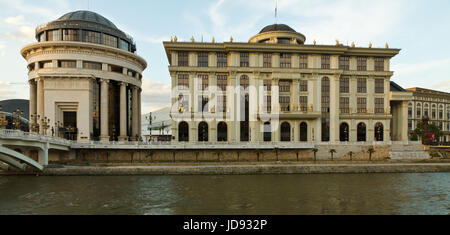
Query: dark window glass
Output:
(71,35)
(244,62)
(379,106)
(344,63)
(67,64)
(183,81)
(222,82)
(303,58)
(267,60)
(362,85)
(344,105)
(91,37)
(285,60)
(183,58)
(344,85)
(284,85)
(203,59)
(362,64)
(303,86)
(362,105)
(325,62)
(379,86)
(222,60)
(110,40)
(379,64)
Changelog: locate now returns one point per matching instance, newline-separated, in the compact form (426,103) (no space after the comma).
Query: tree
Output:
(370,151)
(351,155)
(432,129)
(315,153)
(332,152)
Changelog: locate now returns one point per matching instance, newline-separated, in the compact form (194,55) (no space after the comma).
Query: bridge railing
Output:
(17,134)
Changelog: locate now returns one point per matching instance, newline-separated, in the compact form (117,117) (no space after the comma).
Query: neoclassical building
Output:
(433,104)
(85,79)
(276,88)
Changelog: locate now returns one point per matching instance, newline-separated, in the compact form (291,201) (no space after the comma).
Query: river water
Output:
(229,195)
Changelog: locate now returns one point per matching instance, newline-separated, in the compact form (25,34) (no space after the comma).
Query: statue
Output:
(353,44)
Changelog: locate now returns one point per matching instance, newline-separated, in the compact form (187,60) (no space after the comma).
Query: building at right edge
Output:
(432,104)
(276,88)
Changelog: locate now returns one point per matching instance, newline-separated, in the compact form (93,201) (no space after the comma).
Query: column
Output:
(404,121)
(135,116)
(123,112)
(33,97)
(140,113)
(334,109)
(104,111)
(40,103)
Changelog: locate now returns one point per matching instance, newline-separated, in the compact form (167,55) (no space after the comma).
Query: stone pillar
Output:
(135,116)
(123,112)
(404,121)
(40,103)
(140,113)
(104,110)
(33,99)
(334,109)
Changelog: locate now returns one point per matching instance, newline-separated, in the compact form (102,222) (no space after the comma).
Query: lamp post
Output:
(34,125)
(3,121)
(17,114)
(45,124)
(150,119)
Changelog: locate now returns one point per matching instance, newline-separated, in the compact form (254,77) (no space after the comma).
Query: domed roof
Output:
(87,16)
(277,27)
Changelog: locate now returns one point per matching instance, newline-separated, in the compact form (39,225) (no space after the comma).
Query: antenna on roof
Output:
(276,12)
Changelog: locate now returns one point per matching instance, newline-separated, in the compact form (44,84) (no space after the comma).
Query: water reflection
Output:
(263,194)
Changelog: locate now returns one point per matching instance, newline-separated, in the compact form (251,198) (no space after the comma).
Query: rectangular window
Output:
(285,60)
(285,85)
(92,65)
(222,82)
(344,85)
(410,125)
(202,59)
(303,103)
(362,85)
(109,40)
(344,105)
(344,62)
(221,103)
(379,106)
(53,35)
(303,60)
(71,35)
(362,64)
(267,60)
(203,82)
(379,86)
(183,58)
(362,105)
(203,104)
(325,62)
(222,60)
(183,81)
(267,85)
(268,103)
(303,86)
(124,45)
(45,64)
(285,103)
(67,64)
(115,69)
(379,64)
(92,37)
(244,59)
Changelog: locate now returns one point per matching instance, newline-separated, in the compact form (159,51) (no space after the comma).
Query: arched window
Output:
(267,132)
(361,132)
(222,132)
(426,110)
(183,132)
(379,132)
(441,111)
(344,132)
(325,109)
(433,111)
(419,110)
(203,132)
(285,132)
(410,110)
(303,132)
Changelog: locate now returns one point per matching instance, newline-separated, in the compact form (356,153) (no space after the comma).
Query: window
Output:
(109,40)
(344,85)
(410,111)
(71,35)
(344,132)
(325,95)
(379,86)
(203,132)
(245,82)
(203,82)
(441,112)
(202,59)
(183,58)
(183,132)
(53,35)
(379,105)
(221,103)
(92,65)
(325,62)
(222,132)
(303,86)
(361,132)
(67,64)
(267,85)
(92,37)
(222,82)
(124,45)
(244,59)
(344,105)
(344,63)
(285,60)
(31,67)
(267,60)
(268,103)
(183,81)
(285,103)
(303,58)
(303,103)
(115,69)
(379,132)
(285,86)
(362,105)
(222,60)
(45,64)
(362,64)
(362,85)
(433,111)
(379,64)
(42,37)
(419,111)
(203,104)
(426,110)
(285,132)
(410,125)
(267,132)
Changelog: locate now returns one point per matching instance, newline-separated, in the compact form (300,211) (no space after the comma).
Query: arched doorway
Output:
(203,132)
(222,132)
(303,132)
(361,132)
(267,132)
(344,132)
(183,132)
(379,132)
(285,132)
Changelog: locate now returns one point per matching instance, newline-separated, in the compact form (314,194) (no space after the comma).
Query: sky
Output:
(420,28)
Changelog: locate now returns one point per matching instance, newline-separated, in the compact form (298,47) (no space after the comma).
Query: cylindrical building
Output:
(85,79)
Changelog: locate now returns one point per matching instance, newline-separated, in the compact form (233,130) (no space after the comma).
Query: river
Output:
(334,194)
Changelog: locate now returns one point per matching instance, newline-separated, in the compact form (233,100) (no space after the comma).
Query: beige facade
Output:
(318,93)
(433,104)
(85,80)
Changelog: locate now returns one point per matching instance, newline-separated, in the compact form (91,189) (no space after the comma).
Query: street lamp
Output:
(3,121)
(150,119)
(34,122)
(45,124)
(17,114)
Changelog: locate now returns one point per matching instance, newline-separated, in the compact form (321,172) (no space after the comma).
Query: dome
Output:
(277,27)
(88,16)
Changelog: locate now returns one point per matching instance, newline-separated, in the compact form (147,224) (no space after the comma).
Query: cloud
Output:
(155,95)
(18,20)
(22,33)
(11,91)
(422,67)
(2,52)
(441,86)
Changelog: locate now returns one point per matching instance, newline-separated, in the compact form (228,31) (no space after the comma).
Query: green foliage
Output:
(432,129)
